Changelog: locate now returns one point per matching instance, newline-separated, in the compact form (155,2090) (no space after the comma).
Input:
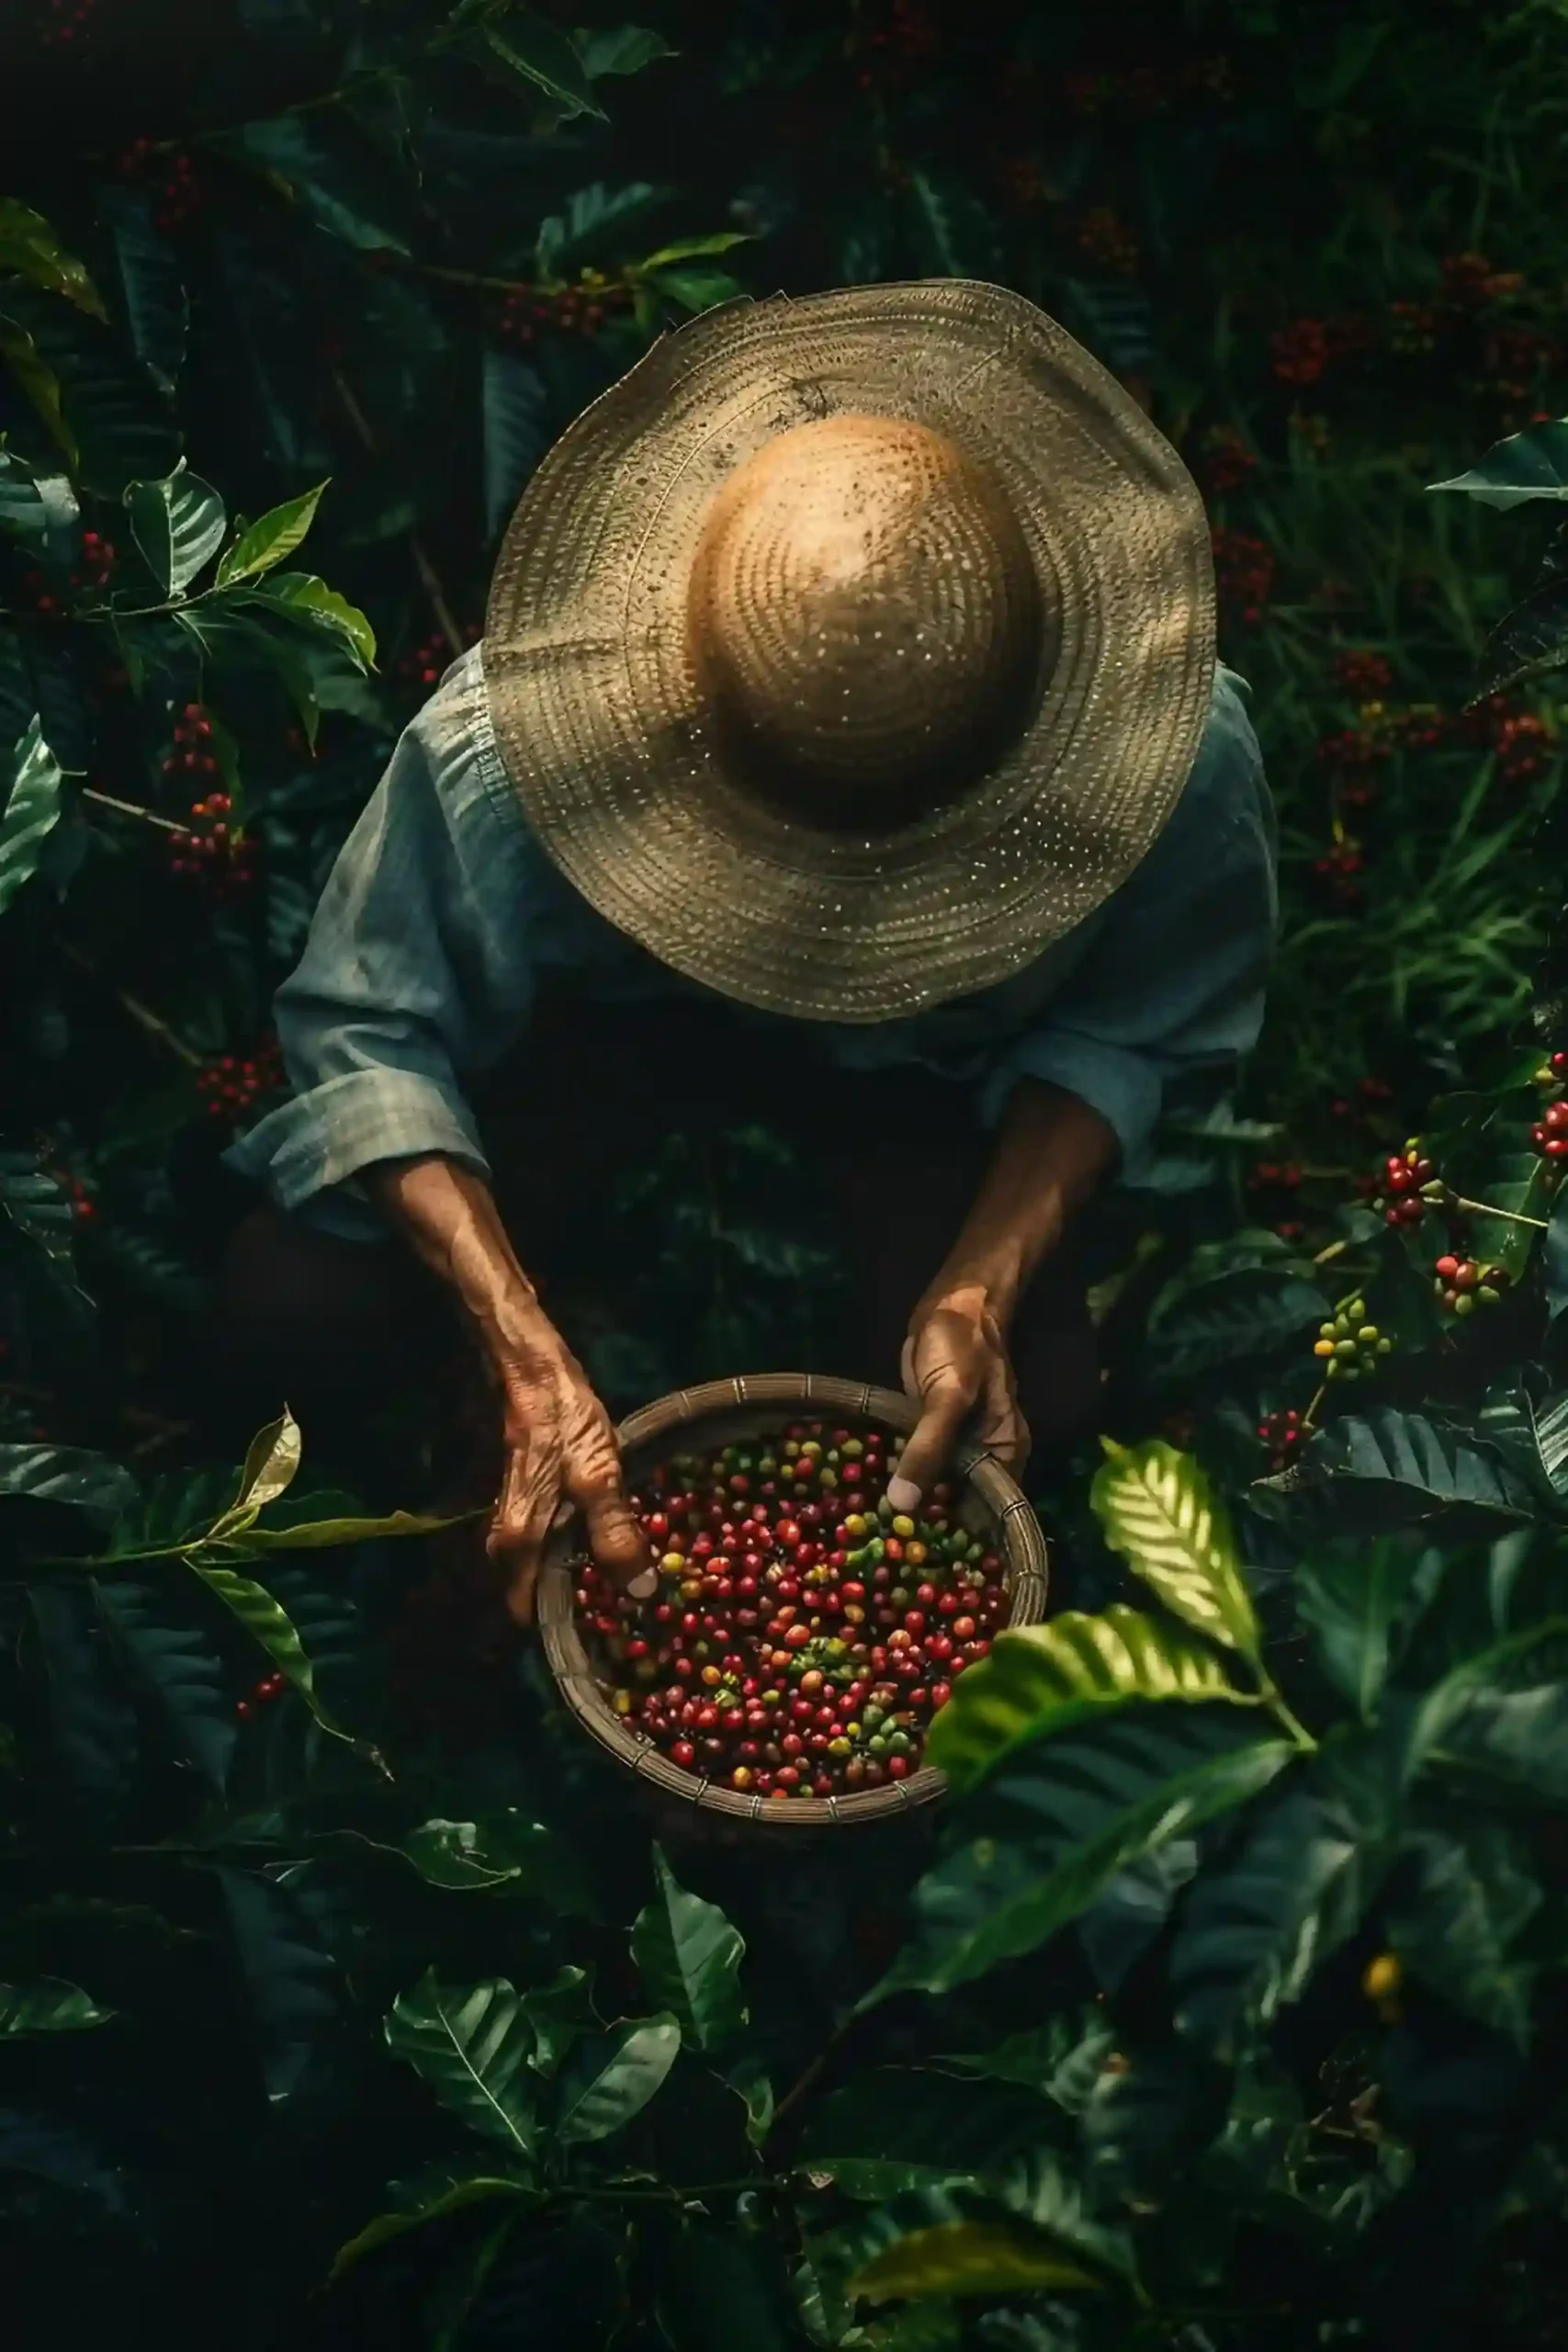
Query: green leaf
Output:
(1465,1899)
(898,2128)
(1042,1679)
(1388,1469)
(1245,1315)
(954,234)
(1502,1716)
(1063,2059)
(432,2204)
(266,541)
(178,524)
(326,1534)
(712,2295)
(471,2043)
(293,1984)
(977,2256)
(118,421)
(182,1669)
(272,1461)
(748,2078)
(560,2012)
(504,1849)
(39,385)
(157,311)
(71,1475)
(611,2077)
(1258,1924)
(538,52)
(689,1957)
(619,49)
(33,250)
(698,290)
(270,1626)
(513,409)
(1158,1512)
(300,596)
(337,173)
(1532,464)
(48,2005)
(1359,1602)
(33,808)
(718,241)
(1529,642)
(1076,1812)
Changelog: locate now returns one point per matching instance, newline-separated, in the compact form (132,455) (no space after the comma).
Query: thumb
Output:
(618,1544)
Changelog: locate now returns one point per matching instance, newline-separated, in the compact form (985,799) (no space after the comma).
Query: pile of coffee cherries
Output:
(802,1634)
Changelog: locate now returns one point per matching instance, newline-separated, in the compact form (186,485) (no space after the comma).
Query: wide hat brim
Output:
(603,731)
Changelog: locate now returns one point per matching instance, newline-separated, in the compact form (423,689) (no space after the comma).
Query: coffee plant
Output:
(346,1994)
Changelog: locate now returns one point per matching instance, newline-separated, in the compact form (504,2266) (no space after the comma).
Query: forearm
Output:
(448,1216)
(1051,1150)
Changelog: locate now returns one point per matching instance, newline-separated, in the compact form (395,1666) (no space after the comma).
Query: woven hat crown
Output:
(865,618)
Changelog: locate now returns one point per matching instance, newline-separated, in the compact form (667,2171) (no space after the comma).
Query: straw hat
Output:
(849,650)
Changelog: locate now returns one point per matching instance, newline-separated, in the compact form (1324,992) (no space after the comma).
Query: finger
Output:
(946,1398)
(524,1507)
(593,1482)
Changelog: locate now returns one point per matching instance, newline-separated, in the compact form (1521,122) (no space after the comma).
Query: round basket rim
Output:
(1018,1532)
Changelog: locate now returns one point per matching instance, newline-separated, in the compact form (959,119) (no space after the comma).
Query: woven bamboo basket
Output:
(718,1414)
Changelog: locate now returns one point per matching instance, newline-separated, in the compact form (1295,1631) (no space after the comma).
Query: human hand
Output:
(956,1364)
(560,1450)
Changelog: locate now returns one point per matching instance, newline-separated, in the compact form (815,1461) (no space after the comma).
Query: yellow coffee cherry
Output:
(1382,1977)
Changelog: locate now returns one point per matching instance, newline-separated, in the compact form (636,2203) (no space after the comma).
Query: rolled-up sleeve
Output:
(416,968)
(1174,982)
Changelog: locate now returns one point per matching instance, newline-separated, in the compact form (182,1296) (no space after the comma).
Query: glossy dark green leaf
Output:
(689,1957)
(514,413)
(1388,1469)
(1359,1601)
(270,539)
(293,1984)
(152,288)
(33,249)
(695,288)
(1465,1897)
(1121,1925)
(179,1666)
(611,2077)
(37,1227)
(429,2201)
(955,233)
(1231,1322)
(178,524)
(298,600)
(39,384)
(560,2012)
(534,53)
(619,49)
(714,2294)
(120,427)
(271,1627)
(69,1474)
(47,2005)
(897,2127)
(1076,1811)
(1263,1916)
(502,1850)
(1041,1681)
(983,2255)
(336,174)
(33,805)
(1063,2058)
(92,1725)
(471,2043)
(1152,2113)
(1532,464)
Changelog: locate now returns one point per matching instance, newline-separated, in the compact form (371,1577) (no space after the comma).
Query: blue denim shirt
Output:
(443,914)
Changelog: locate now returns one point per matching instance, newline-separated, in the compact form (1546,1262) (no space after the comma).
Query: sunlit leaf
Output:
(268,540)
(270,1626)
(1531,464)
(619,49)
(971,2257)
(71,1475)
(48,2005)
(302,598)
(611,2077)
(40,384)
(30,247)
(1040,1680)
(32,809)
(272,1461)
(689,1957)
(1158,1511)
(178,524)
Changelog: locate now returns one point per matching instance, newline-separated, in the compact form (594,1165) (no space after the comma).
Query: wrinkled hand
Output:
(956,1365)
(560,1451)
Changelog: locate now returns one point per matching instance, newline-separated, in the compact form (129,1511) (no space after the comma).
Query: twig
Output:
(1334,1249)
(1309,1418)
(143,1015)
(131,809)
(428,577)
(1484,1208)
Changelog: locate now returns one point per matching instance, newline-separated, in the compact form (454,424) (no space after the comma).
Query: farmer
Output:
(846,741)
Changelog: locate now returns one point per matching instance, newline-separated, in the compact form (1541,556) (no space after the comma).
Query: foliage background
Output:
(354,242)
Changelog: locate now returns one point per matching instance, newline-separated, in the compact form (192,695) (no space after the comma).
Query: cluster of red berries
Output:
(1462,1284)
(1338,868)
(1470,280)
(529,311)
(92,571)
(906,37)
(1549,1134)
(67,23)
(1273,1175)
(173,178)
(270,1687)
(230,1085)
(1405,1173)
(1105,239)
(802,1633)
(426,664)
(1243,573)
(1226,462)
(1284,1434)
(1362,672)
(1303,351)
(209,847)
